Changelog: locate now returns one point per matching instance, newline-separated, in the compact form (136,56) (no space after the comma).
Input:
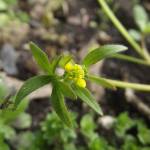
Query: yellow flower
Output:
(77,67)
(81,83)
(76,73)
(69,67)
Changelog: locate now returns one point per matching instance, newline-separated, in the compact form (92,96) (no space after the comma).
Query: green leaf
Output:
(8,116)
(87,125)
(40,57)
(64,60)
(143,134)
(54,63)
(3,6)
(135,34)
(59,106)
(99,143)
(140,16)
(31,85)
(11,2)
(130,143)
(67,90)
(23,121)
(123,123)
(101,53)
(3,145)
(4,19)
(100,81)
(147,28)
(85,95)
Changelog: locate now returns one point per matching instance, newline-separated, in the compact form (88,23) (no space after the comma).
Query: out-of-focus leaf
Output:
(87,125)
(140,16)
(59,106)
(123,124)
(3,145)
(98,143)
(85,95)
(4,19)
(6,131)
(23,121)
(130,143)
(23,17)
(11,2)
(147,28)
(102,52)
(31,85)
(135,34)
(143,134)
(40,57)
(3,5)
(8,116)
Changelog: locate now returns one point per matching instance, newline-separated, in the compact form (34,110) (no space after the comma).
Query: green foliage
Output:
(67,90)
(123,124)
(59,106)
(85,95)
(140,16)
(72,83)
(142,20)
(103,52)
(135,34)
(53,134)
(143,134)
(8,14)
(31,85)
(10,119)
(40,57)
(68,84)
(88,126)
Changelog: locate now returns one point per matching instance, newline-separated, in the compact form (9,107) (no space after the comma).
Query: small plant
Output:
(72,83)
(142,21)
(53,134)
(8,14)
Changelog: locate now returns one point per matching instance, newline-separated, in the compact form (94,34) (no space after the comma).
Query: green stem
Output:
(131,59)
(135,86)
(121,28)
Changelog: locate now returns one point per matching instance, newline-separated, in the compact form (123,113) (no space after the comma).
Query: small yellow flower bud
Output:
(77,67)
(81,83)
(81,73)
(68,67)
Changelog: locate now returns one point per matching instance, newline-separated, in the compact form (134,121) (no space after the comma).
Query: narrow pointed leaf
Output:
(100,81)
(59,106)
(54,63)
(101,53)
(40,57)
(140,16)
(67,90)
(64,60)
(31,85)
(85,95)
